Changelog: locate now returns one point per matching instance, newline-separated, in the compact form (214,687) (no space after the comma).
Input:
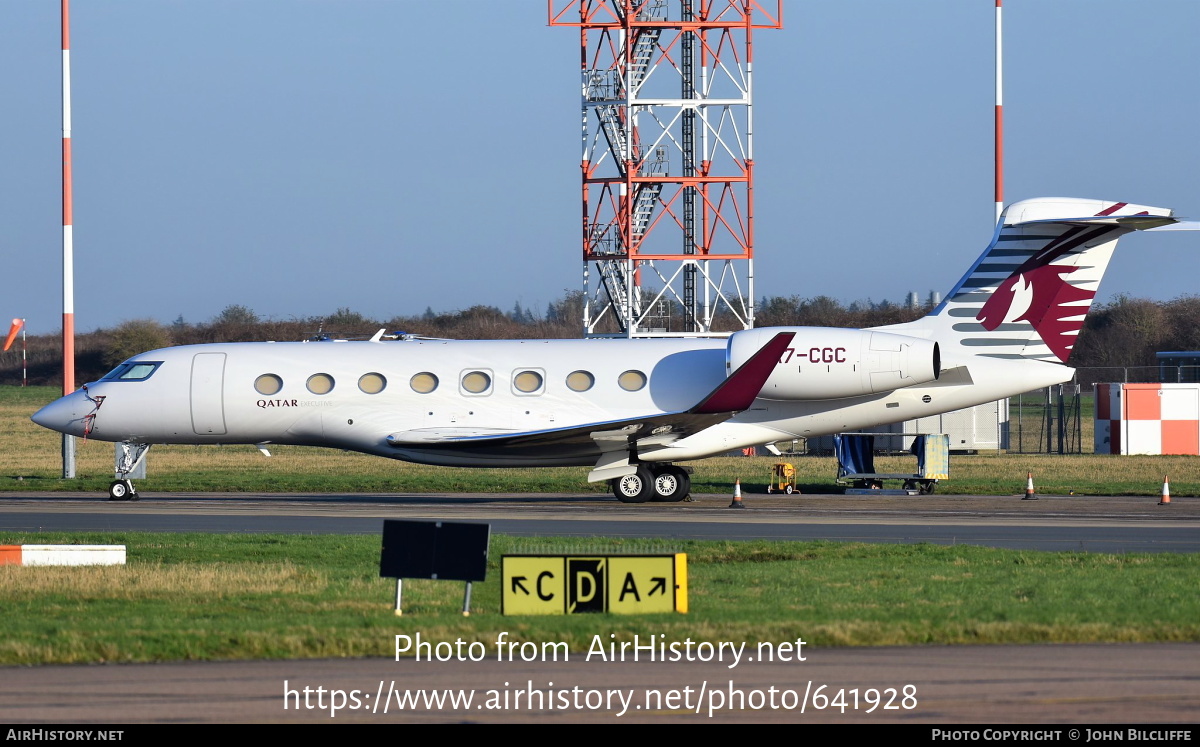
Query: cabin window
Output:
(580,381)
(476,382)
(321,383)
(528,382)
(268,384)
(423,383)
(632,381)
(132,371)
(372,383)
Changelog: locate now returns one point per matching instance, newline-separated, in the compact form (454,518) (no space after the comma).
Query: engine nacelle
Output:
(830,363)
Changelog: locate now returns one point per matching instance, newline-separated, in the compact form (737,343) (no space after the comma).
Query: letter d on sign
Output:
(585,587)
(585,584)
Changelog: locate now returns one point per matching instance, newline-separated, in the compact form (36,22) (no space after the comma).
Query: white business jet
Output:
(629,408)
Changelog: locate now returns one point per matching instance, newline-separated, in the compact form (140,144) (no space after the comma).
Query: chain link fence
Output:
(1051,421)
(1060,419)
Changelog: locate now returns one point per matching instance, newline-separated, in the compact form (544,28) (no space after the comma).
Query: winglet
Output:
(738,391)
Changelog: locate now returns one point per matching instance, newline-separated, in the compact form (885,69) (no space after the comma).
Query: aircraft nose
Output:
(64,415)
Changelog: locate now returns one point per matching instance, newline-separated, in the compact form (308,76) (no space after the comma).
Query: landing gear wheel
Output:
(671,484)
(122,490)
(635,488)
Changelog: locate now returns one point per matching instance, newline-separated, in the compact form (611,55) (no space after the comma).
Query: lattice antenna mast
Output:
(667,162)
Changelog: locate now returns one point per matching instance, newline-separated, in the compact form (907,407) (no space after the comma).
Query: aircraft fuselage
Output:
(355,395)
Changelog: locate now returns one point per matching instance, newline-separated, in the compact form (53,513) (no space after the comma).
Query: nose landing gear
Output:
(122,490)
(129,457)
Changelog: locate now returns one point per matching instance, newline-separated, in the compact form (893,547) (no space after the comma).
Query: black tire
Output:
(671,484)
(928,487)
(789,490)
(635,488)
(120,490)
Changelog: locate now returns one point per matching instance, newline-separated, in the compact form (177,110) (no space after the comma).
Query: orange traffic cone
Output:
(737,495)
(1166,495)
(1029,494)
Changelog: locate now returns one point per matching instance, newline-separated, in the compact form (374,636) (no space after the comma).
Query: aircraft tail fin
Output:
(1028,294)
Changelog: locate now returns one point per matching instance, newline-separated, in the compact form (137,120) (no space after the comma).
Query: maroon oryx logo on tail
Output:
(1038,292)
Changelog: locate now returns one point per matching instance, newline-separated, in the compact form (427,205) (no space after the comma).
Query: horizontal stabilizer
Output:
(1183,225)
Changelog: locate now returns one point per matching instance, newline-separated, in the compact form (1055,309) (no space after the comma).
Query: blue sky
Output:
(296,156)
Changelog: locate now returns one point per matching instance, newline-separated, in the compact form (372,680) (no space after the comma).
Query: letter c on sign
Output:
(541,594)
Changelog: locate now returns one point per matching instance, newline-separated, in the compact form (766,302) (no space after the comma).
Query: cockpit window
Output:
(133,371)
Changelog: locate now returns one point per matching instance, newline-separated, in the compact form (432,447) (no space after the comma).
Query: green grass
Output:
(204,597)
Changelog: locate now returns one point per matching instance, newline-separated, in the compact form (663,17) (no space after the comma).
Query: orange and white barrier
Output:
(62,554)
(1148,419)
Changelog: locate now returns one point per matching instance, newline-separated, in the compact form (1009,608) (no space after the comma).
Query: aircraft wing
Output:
(734,394)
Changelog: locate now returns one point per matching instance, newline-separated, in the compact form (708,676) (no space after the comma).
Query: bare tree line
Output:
(1123,332)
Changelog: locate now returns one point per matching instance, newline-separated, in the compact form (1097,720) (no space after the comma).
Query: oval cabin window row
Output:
(479,382)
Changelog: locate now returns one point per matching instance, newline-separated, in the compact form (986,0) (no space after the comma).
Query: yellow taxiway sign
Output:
(571,584)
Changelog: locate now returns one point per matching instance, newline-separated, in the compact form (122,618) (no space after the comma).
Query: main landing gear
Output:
(663,483)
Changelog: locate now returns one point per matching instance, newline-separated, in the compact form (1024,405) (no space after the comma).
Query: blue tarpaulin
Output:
(918,448)
(855,454)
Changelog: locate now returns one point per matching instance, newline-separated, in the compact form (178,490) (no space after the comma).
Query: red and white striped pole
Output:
(68,248)
(999,115)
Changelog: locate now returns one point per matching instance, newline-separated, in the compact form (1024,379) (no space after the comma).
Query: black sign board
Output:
(446,550)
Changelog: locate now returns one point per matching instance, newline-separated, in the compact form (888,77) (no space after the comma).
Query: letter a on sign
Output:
(638,585)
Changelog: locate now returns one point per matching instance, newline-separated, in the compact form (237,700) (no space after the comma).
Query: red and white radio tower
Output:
(667,162)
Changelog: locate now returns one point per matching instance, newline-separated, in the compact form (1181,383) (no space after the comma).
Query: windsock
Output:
(12,333)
